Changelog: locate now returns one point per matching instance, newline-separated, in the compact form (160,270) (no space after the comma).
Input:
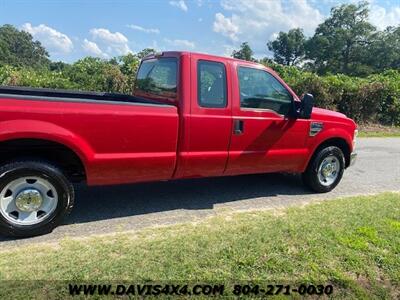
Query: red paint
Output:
(121,143)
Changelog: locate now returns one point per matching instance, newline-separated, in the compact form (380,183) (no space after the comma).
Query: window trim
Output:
(225,104)
(263,109)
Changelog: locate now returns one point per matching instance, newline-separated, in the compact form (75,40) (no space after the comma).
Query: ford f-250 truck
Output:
(191,115)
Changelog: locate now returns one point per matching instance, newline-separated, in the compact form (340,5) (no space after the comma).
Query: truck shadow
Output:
(108,202)
(100,203)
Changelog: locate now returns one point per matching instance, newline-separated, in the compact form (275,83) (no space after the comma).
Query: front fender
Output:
(324,136)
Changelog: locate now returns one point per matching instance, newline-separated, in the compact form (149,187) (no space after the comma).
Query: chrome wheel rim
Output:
(28,200)
(328,170)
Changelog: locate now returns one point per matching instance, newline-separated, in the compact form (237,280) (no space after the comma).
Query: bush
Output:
(34,78)
(91,74)
(94,74)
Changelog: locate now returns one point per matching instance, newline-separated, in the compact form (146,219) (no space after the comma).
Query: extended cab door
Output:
(264,137)
(208,126)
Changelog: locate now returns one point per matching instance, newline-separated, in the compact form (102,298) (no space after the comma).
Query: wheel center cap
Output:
(29,200)
(327,170)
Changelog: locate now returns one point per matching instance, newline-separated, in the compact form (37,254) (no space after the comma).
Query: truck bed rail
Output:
(72,94)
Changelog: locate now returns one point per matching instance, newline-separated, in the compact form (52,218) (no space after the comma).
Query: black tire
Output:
(52,174)
(310,176)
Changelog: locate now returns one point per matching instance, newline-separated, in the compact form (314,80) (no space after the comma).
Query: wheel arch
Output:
(24,133)
(339,142)
(47,150)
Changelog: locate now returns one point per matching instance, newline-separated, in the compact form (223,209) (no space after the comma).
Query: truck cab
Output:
(239,117)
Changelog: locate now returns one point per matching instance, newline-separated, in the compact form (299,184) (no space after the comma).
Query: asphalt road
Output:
(105,210)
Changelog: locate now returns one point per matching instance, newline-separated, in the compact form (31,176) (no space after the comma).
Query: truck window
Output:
(211,84)
(259,89)
(157,77)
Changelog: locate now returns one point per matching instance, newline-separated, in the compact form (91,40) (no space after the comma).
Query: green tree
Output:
(145,52)
(17,48)
(129,64)
(245,52)
(384,52)
(340,43)
(288,48)
(59,66)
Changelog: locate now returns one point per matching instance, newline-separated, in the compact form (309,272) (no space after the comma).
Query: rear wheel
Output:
(34,198)
(325,170)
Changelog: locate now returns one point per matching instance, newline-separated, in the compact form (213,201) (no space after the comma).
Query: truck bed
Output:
(118,138)
(70,95)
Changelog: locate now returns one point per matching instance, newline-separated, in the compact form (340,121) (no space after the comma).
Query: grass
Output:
(373,130)
(351,243)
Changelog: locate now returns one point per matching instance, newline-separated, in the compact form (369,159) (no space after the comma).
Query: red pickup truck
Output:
(191,115)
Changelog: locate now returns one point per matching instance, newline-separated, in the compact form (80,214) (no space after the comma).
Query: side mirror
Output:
(306,106)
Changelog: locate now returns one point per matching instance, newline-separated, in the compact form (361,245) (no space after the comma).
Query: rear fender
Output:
(33,129)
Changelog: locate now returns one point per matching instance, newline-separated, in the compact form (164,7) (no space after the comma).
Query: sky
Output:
(72,29)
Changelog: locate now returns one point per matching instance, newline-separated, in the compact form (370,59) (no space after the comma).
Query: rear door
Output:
(209,124)
(264,138)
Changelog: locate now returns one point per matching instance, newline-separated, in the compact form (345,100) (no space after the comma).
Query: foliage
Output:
(340,43)
(17,48)
(244,52)
(25,62)
(346,42)
(96,74)
(384,50)
(373,99)
(129,65)
(145,52)
(92,74)
(35,78)
(288,48)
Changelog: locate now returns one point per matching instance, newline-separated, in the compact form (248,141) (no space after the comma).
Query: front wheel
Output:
(34,198)
(325,170)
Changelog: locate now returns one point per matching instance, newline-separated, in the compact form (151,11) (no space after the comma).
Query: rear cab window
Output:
(211,84)
(157,78)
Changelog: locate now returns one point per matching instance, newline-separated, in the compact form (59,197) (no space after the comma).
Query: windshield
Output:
(157,77)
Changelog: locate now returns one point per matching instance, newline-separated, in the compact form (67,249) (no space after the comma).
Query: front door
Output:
(264,138)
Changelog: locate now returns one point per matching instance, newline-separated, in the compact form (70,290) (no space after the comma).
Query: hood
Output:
(320,113)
